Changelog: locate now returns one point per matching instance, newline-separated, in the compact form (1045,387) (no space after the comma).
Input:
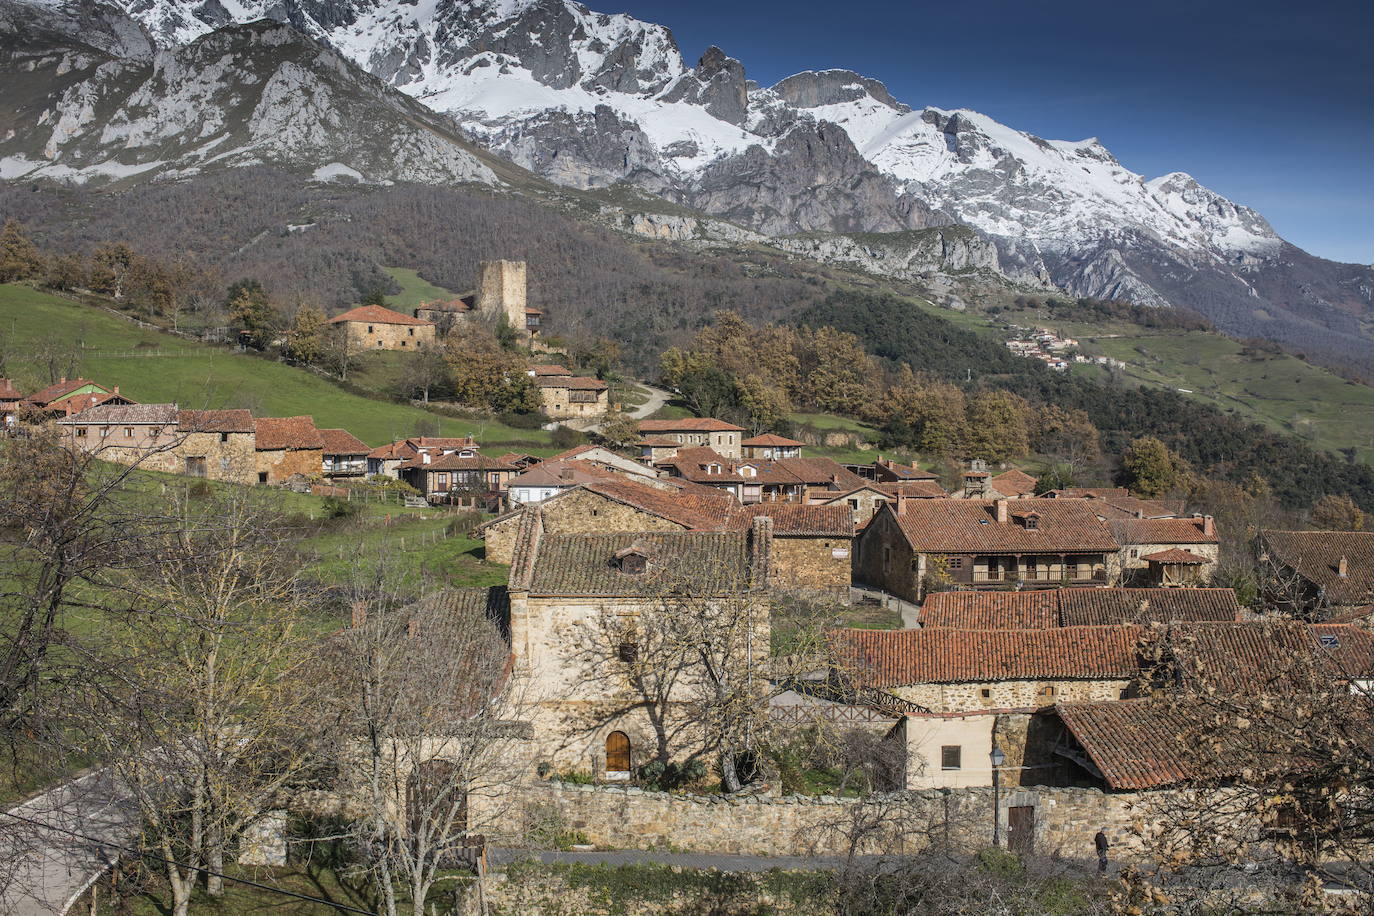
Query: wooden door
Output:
(195,467)
(617,752)
(1021,829)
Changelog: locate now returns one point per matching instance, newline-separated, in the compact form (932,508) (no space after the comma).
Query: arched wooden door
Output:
(617,752)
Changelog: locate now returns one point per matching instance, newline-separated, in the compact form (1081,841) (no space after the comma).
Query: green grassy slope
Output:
(1278,390)
(154,367)
(414,290)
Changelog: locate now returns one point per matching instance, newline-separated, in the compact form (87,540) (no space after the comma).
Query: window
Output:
(441,481)
(104,432)
(262,477)
(985,693)
(951,756)
(627,652)
(403,343)
(412,332)
(224,437)
(955,563)
(371,331)
(128,432)
(1047,691)
(1032,523)
(1135,552)
(853,504)
(595,513)
(617,753)
(81,432)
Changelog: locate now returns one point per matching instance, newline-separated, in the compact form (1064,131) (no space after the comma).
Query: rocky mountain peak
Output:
(817,88)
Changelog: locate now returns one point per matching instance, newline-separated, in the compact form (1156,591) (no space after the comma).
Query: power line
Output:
(148,855)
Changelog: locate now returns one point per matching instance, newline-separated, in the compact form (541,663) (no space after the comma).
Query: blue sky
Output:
(1270,103)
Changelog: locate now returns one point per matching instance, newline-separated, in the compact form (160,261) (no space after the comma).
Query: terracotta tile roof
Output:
(1143,744)
(1070,607)
(132,414)
(458,463)
(464,303)
(772,440)
(549,369)
(233,420)
(691,463)
(1015,482)
(796,520)
(582,565)
(700,508)
(571,382)
(966,526)
(815,472)
(895,658)
(1089,492)
(376,314)
(1269,656)
(1316,556)
(1176,556)
(659,442)
(1160,531)
(45,396)
(1357,615)
(409,448)
(342,442)
(885,467)
(8,392)
(917,489)
(553,473)
(689,425)
(286,433)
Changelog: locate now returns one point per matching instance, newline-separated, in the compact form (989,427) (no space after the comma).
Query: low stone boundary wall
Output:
(1064,820)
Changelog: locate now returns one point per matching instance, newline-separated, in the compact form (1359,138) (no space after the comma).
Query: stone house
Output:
(455,480)
(1321,573)
(575,605)
(285,447)
(812,546)
(612,504)
(770,446)
(501,292)
(885,470)
(125,433)
(549,478)
(752,480)
(386,460)
(914,544)
(1072,607)
(980,483)
(955,671)
(954,750)
(568,397)
(708,432)
(1151,546)
(705,467)
(375,327)
(218,444)
(345,455)
(865,501)
(1117,503)
(611,461)
(654,450)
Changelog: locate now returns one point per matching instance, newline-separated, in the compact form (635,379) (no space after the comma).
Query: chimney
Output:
(1003,513)
(412,628)
(116,389)
(1343,567)
(760,550)
(1209,526)
(359,616)
(62,380)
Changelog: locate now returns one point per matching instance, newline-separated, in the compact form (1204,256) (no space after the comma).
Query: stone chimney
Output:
(359,616)
(1003,512)
(901,502)
(501,289)
(1209,526)
(760,550)
(1343,568)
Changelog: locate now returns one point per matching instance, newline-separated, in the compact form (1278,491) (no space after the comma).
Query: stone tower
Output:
(501,288)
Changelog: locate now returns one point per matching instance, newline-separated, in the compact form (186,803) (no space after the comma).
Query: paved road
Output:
(46,867)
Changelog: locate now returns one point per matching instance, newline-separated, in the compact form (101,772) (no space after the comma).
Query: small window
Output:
(595,513)
(1047,691)
(262,477)
(81,432)
(371,331)
(412,332)
(627,652)
(224,437)
(633,563)
(128,432)
(951,757)
(955,562)
(403,343)
(854,504)
(104,432)
(1032,523)
(985,693)
(1135,553)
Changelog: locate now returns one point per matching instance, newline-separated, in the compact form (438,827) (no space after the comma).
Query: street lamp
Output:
(998,758)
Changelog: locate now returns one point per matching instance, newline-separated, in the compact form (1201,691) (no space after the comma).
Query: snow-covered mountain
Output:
(588,99)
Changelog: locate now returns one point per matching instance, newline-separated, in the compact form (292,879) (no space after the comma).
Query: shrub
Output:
(338,508)
(662,777)
(566,437)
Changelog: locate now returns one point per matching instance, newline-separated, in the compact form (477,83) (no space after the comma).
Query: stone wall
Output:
(576,512)
(282,464)
(231,460)
(811,563)
(884,559)
(1065,819)
(388,336)
(558,403)
(968,697)
(501,288)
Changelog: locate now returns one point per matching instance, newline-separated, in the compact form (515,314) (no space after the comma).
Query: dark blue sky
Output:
(1270,102)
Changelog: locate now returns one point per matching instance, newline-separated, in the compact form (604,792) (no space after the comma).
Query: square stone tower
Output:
(501,288)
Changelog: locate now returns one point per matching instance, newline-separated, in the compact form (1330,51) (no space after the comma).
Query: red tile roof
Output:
(699,508)
(885,467)
(571,382)
(1160,531)
(555,473)
(53,392)
(971,610)
(132,414)
(916,489)
(895,658)
(233,420)
(796,520)
(1015,482)
(1316,556)
(772,440)
(8,392)
(549,369)
(659,442)
(688,424)
(452,462)
(376,314)
(692,463)
(275,433)
(342,442)
(964,526)
(1269,656)
(1143,744)
(408,448)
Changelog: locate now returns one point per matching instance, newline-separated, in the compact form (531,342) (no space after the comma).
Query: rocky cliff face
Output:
(589,99)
